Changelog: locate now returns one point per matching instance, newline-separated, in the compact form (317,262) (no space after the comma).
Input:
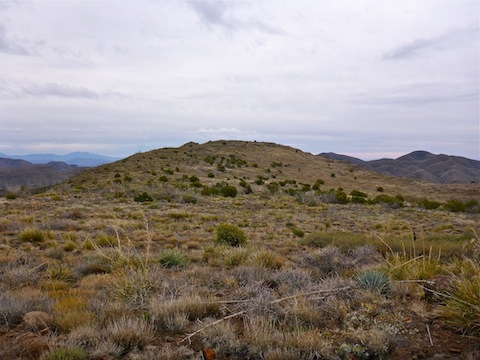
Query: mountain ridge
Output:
(79,158)
(421,165)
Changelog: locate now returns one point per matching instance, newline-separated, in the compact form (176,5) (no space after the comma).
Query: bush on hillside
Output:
(230,235)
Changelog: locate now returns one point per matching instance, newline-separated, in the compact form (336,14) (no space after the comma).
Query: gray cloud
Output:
(419,94)
(419,47)
(221,13)
(60,90)
(13,46)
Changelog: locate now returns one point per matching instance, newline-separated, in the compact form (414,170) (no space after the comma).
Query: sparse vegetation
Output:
(332,268)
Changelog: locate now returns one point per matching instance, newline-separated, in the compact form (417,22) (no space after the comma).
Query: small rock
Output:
(439,356)
(209,354)
(455,350)
(37,320)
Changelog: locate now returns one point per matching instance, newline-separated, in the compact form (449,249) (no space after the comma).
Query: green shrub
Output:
(428,204)
(392,201)
(228,191)
(189,199)
(273,187)
(11,196)
(357,193)
(472,206)
(163,178)
(317,184)
(454,205)
(143,197)
(298,232)
(33,235)
(260,180)
(172,258)
(230,235)
(375,281)
(67,354)
(317,239)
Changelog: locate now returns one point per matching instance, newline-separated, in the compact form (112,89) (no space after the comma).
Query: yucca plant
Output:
(172,258)
(375,281)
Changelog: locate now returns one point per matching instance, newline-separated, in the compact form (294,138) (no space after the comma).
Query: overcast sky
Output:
(369,79)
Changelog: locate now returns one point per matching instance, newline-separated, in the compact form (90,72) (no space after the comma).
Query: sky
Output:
(369,79)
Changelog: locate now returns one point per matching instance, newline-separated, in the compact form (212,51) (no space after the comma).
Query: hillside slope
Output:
(15,173)
(252,162)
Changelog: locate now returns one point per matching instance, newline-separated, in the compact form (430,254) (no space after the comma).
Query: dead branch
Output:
(331,291)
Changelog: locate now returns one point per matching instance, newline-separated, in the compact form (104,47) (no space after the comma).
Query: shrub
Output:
(189,199)
(71,312)
(454,205)
(472,206)
(230,235)
(172,258)
(33,235)
(317,184)
(163,178)
(375,281)
(268,259)
(129,333)
(143,197)
(273,187)
(317,239)
(392,201)
(228,191)
(67,354)
(428,204)
(11,196)
(357,193)
(462,309)
(298,232)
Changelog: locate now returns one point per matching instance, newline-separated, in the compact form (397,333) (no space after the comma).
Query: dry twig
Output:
(189,336)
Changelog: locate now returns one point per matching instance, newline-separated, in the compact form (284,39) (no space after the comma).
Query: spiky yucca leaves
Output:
(173,258)
(374,280)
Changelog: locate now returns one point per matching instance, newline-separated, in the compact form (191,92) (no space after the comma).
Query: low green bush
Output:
(33,235)
(228,191)
(230,235)
(143,197)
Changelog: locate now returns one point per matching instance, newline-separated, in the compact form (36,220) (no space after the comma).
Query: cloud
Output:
(60,90)
(419,47)
(418,94)
(221,13)
(13,46)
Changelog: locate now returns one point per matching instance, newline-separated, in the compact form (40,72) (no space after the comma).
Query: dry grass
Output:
(114,273)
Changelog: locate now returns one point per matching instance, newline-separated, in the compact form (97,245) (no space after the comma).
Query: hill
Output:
(422,165)
(83,159)
(242,250)
(255,162)
(15,173)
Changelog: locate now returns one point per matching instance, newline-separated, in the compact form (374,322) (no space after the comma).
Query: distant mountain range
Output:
(15,173)
(84,159)
(421,165)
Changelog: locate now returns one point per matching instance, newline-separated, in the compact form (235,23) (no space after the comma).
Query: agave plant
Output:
(374,280)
